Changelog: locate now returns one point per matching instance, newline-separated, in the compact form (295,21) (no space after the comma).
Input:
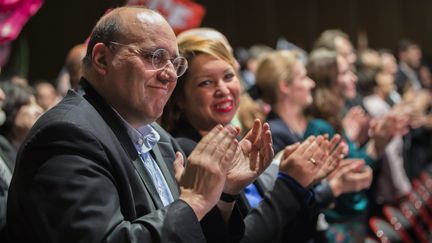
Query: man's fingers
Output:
(222,140)
(178,166)
(226,162)
(221,143)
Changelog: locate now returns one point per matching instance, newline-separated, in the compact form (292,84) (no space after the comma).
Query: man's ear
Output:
(99,58)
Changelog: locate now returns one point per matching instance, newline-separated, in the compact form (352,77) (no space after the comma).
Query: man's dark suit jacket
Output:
(79,178)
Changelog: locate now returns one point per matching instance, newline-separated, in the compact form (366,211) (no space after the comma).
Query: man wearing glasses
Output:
(96,168)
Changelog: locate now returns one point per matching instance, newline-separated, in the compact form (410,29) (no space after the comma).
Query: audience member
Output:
(20,113)
(206,33)
(392,181)
(338,41)
(248,70)
(410,60)
(412,79)
(333,77)
(72,71)
(19,80)
(46,95)
(389,66)
(283,79)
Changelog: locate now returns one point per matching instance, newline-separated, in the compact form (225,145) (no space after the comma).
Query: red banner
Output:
(13,15)
(180,14)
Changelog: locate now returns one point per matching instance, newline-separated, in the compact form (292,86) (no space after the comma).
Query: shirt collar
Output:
(144,138)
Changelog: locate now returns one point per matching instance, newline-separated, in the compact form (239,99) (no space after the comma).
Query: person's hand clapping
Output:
(303,161)
(334,153)
(252,157)
(352,175)
(202,180)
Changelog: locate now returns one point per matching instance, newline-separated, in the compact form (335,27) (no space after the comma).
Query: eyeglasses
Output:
(159,58)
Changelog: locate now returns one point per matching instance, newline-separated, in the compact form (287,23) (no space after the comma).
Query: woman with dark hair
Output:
(21,112)
(286,86)
(334,80)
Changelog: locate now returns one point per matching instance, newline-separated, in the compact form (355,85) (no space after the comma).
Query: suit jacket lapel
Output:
(120,132)
(148,183)
(165,171)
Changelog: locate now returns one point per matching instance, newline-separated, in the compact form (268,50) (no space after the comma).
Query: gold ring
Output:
(312,160)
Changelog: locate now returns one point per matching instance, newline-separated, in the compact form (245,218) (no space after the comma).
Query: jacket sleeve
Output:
(68,190)
(279,210)
(323,197)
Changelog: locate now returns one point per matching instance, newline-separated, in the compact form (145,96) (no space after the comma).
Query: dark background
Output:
(61,24)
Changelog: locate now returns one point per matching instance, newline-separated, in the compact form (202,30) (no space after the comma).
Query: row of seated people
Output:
(305,99)
(308,115)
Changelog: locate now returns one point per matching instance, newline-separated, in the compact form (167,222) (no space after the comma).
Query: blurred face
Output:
(346,79)
(211,93)
(133,86)
(299,89)
(414,56)
(46,96)
(385,83)
(389,64)
(344,48)
(27,116)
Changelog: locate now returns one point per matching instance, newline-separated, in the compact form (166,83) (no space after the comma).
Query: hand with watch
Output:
(253,155)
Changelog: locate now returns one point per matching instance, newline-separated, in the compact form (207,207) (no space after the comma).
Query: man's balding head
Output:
(120,62)
(120,23)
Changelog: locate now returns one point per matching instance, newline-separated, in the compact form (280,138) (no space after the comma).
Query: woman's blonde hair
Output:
(272,68)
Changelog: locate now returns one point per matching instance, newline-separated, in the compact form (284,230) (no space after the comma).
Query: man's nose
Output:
(167,74)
